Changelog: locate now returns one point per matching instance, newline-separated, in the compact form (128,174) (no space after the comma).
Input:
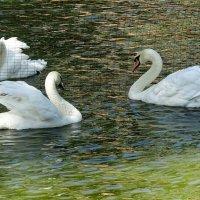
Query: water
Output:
(122,149)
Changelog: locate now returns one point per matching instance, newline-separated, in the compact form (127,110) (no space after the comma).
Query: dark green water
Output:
(122,149)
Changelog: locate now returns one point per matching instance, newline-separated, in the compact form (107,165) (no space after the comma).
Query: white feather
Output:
(29,108)
(181,88)
(14,63)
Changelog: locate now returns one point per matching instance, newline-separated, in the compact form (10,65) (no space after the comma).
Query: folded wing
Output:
(27,101)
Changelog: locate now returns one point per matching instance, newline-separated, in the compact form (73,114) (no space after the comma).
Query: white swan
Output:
(181,88)
(14,63)
(29,108)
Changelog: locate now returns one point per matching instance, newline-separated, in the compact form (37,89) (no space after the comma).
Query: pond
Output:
(123,149)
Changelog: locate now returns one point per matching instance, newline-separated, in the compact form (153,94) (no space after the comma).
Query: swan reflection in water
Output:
(38,140)
(165,118)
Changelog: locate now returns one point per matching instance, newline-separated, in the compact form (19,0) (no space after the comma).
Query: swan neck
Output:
(53,94)
(147,78)
(66,108)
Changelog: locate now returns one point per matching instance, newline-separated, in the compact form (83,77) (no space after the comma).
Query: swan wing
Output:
(27,101)
(14,44)
(181,88)
(17,64)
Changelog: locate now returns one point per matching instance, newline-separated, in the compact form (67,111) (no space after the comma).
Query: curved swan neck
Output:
(148,77)
(54,96)
(3,53)
(61,104)
(51,91)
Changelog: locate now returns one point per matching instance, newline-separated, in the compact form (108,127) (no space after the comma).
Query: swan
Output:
(181,88)
(30,109)
(14,63)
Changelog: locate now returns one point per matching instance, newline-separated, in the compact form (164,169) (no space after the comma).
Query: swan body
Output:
(181,88)
(30,109)
(14,63)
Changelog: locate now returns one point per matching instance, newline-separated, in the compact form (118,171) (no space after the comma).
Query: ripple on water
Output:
(122,149)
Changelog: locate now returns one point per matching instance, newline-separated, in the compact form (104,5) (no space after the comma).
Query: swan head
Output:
(144,56)
(56,78)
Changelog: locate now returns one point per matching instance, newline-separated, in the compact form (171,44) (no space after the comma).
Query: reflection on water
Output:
(123,149)
(138,158)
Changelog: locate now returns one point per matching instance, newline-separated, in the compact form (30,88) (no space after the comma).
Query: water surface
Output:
(122,149)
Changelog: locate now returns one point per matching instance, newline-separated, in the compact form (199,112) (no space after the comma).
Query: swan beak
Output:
(136,63)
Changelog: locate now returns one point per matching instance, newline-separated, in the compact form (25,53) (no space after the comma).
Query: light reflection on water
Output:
(106,160)
(123,149)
